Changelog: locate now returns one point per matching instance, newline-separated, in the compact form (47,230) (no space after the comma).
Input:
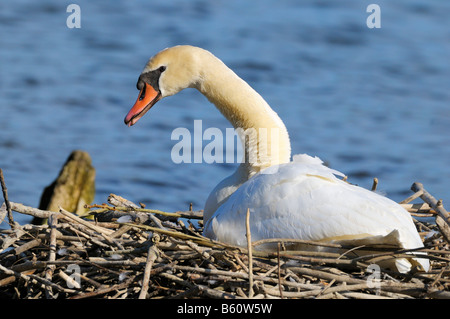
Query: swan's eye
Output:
(141,97)
(162,68)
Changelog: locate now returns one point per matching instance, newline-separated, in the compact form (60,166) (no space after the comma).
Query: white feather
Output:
(305,200)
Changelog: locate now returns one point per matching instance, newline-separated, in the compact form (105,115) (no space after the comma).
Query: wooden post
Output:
(72,189)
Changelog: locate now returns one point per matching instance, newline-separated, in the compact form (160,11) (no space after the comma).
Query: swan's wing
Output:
(304,200)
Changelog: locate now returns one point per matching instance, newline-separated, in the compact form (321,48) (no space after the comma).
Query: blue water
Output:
(370,102)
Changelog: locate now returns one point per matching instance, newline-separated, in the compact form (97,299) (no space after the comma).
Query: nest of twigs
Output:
(128,251)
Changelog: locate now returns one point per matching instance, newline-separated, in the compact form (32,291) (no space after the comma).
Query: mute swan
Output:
(299,199)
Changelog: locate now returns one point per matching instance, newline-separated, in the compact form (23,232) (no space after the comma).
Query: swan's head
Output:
(165,74)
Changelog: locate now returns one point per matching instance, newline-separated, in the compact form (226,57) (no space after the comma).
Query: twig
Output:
(205,255)
(317,292)
(69,279)
(103,231)
(28,245)
(443,217)
(27,210)
(5,197)
(439,275)
(296,241)
(375,184)
(127,206)
(279,271)
(3,212)
(31,277)
(360,295)
(419,208)
(102,290)
(212,293)
(250,256)
(417,194)
(53,221)
(152,255)
(117,200)
(199,239)
(326,288)
(239,275)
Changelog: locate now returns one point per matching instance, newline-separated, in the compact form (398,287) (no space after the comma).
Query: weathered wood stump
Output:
(72,189)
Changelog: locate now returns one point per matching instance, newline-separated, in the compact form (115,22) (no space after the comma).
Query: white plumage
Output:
(305,200)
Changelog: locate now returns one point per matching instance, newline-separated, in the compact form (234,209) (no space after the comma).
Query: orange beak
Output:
(148,96)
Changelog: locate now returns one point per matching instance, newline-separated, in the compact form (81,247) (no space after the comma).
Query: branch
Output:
(442,217)
(5,196)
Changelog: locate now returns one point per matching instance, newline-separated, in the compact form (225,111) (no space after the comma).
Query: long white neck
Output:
(266,141)
(265,138)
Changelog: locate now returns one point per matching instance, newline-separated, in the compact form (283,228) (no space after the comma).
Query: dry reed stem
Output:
(7,203)
(152,255)
(250,256)
(53,223)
